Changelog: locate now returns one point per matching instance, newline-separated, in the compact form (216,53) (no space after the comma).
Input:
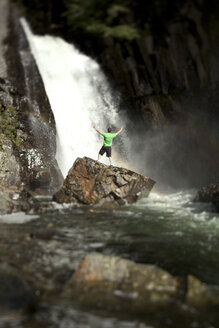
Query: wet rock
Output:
(114,283)
(14,291)
(91,182)
(27,132)
(120,284)
(46,234)
(209,194)
(10,168)
(200,294)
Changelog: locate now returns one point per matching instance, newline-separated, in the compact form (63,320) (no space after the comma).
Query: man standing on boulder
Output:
(108,139)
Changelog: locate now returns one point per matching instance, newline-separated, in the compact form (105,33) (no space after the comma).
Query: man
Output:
(108,139)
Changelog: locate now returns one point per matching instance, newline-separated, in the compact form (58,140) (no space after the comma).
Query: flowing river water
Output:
(169,230)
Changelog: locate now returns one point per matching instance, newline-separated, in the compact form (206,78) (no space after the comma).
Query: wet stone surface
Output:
(91,182)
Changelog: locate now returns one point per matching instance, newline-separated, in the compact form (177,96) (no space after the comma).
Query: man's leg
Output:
(109,155)
(101,152)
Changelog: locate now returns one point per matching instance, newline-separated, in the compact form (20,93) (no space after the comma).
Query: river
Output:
(169,230)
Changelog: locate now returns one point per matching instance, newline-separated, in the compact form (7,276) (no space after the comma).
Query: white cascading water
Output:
(79,96)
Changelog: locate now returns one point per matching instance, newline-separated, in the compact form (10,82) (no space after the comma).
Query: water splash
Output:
(79,95)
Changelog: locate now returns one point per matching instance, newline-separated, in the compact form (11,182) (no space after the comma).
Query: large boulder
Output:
(209,194)
(120,284)
(116,283)
(91,182)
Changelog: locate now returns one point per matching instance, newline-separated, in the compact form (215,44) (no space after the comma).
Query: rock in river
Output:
(118,283)
(111,282)
(91,182)
(15,294)
(209,194)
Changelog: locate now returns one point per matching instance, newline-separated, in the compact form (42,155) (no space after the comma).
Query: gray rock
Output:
(209,194)
(27,155)
(91,182)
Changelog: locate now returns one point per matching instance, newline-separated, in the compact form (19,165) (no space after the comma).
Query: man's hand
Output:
(96,129)
(119,131)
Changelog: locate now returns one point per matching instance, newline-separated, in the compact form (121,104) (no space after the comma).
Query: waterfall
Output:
(79,95)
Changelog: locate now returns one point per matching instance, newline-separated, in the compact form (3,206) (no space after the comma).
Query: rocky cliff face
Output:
(156,70)
(169,85)
(27,135)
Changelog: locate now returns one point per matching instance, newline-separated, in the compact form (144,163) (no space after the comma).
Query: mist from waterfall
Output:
(79,95)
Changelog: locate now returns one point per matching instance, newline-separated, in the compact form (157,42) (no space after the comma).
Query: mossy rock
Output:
(9,124)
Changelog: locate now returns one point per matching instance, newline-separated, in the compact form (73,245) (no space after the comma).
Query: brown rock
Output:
(120,284)
(91,182)
(115,283)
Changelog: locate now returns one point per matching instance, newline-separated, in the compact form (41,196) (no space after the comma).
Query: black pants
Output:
(106,150)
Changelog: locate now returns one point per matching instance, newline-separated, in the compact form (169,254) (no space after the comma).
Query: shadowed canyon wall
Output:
(27,131)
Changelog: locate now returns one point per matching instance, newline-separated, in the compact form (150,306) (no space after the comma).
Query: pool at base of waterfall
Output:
(168,230)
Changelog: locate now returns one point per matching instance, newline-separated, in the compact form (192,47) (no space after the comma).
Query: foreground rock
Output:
(120,284)
(91,182)
(14,292)
(209,194)
(112,280)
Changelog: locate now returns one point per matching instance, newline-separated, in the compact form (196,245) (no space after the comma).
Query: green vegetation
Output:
(8,125)
(108,19)
(120,19)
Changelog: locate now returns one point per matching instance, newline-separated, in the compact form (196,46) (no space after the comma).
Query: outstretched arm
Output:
(96,129)
(119,131)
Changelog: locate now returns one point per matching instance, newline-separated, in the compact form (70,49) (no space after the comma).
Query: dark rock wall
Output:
(28,165)
(155,75)
(33,107)
(171,91)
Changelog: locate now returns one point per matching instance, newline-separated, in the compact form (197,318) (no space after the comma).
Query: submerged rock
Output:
(91,182)
(209,194)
